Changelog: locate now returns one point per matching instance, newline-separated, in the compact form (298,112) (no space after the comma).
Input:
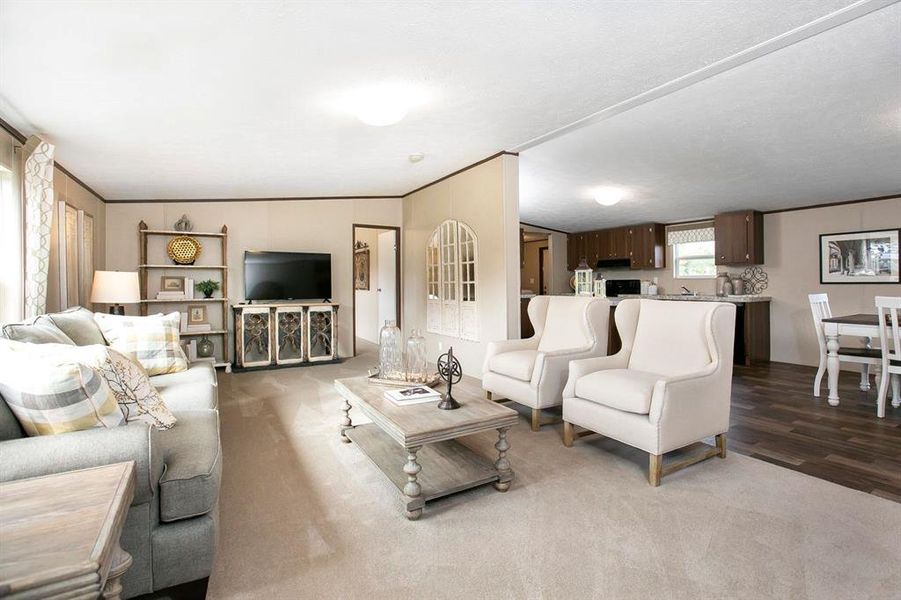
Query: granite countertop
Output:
(702,298)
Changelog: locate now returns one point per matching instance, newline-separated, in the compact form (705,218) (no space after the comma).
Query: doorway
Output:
(376,280)
(535,273)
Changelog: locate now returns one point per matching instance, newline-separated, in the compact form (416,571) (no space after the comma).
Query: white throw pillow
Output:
(50,392)
(152,341)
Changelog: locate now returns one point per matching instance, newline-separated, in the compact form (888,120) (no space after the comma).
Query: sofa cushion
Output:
(77,323)
(622,389)
(198,372)
(36,332)
(190,396)
(192,462)
(518,364)
(153,340)
(51,392)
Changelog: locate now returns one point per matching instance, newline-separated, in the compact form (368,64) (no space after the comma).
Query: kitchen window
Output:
(694,260)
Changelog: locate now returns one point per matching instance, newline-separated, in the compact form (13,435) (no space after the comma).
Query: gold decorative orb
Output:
(183,249)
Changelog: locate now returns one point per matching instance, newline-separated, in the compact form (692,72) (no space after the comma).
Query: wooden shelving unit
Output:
(145,267)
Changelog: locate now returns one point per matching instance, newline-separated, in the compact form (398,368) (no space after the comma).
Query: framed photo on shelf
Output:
(860,257)
(196,314)
(172,284)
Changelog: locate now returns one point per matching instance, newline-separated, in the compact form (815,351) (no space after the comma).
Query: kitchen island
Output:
(752,323)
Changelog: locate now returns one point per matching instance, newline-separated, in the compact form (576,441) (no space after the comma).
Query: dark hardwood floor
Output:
(776,418)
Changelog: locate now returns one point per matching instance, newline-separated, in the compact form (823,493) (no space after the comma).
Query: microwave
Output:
(618,287)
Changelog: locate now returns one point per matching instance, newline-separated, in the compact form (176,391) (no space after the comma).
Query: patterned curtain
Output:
(689,232)
(38,174)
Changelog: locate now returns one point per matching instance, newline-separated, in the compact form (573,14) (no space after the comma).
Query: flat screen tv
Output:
(287,276)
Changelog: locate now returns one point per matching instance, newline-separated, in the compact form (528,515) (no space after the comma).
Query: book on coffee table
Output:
(412,395)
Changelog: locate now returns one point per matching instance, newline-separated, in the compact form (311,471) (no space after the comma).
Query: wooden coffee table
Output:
(416,446)
(59,534)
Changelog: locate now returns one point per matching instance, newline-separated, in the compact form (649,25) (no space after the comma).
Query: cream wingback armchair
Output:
(533,371)
(668,387)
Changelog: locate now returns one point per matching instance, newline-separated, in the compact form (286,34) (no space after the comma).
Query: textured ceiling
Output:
(816,122)
(237,99)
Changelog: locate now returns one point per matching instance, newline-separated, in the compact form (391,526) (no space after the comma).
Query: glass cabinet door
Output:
(289,324)
(255,333)
(322,329)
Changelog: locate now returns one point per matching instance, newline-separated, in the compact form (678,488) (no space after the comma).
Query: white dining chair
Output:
(819,308)
(890,345)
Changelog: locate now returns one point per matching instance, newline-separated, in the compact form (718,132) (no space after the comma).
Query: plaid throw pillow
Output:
(152,341)
(52,394)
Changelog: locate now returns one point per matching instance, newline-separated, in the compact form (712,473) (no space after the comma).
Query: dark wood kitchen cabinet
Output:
(642,245)
(738,238)
(648,244)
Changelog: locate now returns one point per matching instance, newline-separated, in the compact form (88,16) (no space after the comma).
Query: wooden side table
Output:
(59,534)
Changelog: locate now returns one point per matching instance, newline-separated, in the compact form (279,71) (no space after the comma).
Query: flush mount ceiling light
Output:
(608,196)
(416,157)
(383,104)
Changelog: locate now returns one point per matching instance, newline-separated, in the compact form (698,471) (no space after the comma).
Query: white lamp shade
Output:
(115,287)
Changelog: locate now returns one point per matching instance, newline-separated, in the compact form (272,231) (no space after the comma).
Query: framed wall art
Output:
(361,269)
(172,284)
(860,257)
(196,314)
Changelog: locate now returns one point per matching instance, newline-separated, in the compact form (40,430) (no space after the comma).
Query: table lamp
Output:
(115,288)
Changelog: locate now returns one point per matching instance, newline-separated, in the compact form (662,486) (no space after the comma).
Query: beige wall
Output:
(486,198)
(791,242)
(291,225)
(74,194)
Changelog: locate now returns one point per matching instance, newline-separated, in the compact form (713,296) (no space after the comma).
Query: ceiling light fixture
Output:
(416,157)
(383,104)
(608,196)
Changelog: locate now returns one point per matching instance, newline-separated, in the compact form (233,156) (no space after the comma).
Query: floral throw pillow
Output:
(138,399)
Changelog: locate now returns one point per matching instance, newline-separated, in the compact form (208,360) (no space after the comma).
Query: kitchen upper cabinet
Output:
(738,238)
(648,246)
(642,245)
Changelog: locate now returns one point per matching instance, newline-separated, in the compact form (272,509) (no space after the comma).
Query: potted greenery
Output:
(207,287)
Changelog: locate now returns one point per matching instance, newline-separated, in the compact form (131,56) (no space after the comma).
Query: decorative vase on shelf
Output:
(205,347)
(391,352)
(415,357)
(208,294)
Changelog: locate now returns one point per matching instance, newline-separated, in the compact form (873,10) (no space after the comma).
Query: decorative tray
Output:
(433,380)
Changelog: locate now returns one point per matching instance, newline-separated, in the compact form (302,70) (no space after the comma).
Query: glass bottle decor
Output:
(415,356)
(205,347)
(391,352)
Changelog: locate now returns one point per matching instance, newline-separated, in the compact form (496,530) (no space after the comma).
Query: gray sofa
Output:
(172,525)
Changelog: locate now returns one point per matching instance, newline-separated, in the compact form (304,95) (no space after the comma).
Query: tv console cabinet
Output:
(285,333)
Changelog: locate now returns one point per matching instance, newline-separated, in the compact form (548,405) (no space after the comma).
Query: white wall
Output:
(791,247)
(367,301)
(291,225)
(484,197)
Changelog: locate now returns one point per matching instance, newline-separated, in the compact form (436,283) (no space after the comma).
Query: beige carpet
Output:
(305,516)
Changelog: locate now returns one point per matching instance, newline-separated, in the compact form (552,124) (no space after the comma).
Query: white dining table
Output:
(863,325)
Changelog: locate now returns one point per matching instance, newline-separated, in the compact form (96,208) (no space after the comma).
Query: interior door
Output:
(387,271)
